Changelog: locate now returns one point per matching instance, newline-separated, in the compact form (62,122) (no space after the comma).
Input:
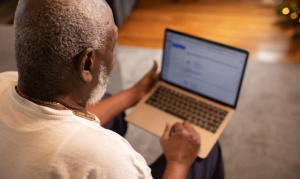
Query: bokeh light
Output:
(285,11)
(294,15)
(294,6)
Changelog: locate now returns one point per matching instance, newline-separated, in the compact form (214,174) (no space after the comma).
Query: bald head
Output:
(50,34)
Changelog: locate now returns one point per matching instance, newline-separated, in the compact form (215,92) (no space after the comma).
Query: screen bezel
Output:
(214,43)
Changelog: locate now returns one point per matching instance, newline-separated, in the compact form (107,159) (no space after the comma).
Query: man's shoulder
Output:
(8,76)
(6,79)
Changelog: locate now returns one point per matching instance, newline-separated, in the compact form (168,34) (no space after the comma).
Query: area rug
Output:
(263,138)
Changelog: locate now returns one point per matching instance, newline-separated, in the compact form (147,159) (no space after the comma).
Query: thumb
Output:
(154,68)
(167,132)
(157,76)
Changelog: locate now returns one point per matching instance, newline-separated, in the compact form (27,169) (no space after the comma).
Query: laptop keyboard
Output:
(187,108)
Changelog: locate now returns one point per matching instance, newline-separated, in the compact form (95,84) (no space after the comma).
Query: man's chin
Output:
(96,96)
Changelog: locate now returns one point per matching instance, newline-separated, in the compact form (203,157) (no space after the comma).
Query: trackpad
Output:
(158,124)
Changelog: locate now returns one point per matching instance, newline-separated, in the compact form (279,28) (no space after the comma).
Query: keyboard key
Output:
(213,130)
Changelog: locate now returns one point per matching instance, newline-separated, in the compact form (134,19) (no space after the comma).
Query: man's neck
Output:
(71,100)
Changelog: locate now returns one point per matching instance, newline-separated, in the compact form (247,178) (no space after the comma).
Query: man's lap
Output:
(118,124)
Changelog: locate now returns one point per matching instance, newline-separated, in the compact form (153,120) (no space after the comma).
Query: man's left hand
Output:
(147,82)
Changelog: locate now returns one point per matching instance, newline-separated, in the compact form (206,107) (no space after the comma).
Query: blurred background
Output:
(263,139)
(256,25)
(269,29)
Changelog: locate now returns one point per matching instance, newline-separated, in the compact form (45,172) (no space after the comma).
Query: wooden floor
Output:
(250,26)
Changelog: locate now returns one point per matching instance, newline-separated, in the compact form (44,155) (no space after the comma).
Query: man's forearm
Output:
(109,108)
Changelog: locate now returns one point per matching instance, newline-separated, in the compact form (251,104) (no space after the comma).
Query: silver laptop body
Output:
(200,82)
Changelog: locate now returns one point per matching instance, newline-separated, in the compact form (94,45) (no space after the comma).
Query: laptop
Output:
(200,82)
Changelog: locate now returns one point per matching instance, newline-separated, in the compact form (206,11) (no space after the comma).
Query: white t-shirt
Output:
(41,142)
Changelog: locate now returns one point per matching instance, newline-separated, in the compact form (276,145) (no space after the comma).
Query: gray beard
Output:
(99,91)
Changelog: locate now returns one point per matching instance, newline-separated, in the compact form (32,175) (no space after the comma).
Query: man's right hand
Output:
(181,145)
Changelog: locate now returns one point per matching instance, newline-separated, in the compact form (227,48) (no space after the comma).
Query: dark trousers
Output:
(209,168)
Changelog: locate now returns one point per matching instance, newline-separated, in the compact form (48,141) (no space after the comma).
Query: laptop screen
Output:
(207,68)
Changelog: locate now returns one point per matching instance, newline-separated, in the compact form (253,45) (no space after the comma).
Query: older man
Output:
(65,53)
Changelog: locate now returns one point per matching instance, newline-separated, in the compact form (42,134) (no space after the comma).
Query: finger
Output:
(187,125)
(192,131)
(178,127)
(198,137)
(157,76)
(190,128)
(153,70)
(167,132)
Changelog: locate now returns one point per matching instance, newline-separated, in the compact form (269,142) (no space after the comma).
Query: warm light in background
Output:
(294,6)
(285,11)
(294,15)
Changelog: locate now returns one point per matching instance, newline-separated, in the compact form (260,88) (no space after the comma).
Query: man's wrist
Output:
(175,170)
(135,94)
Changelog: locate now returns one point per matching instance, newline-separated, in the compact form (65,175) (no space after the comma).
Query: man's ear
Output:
(86,65)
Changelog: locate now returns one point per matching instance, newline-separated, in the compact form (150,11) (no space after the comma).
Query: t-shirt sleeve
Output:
(8,77)
(91,153)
